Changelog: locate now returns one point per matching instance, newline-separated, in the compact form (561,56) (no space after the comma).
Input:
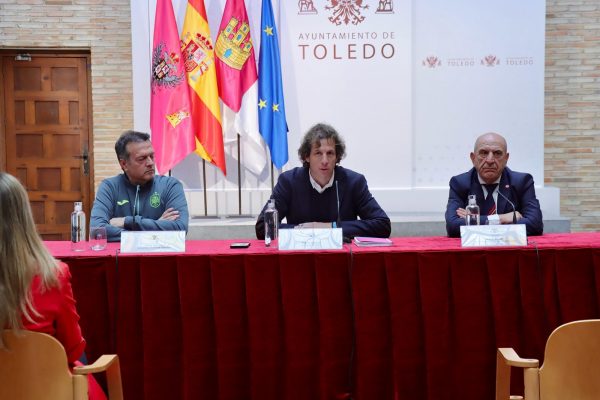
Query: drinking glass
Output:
(98,237)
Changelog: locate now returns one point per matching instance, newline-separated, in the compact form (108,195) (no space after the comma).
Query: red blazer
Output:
(59,317)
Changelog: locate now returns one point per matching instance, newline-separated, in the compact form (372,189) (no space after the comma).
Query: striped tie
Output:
(489,204)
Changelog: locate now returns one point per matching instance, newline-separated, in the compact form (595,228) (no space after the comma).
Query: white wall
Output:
(409,126)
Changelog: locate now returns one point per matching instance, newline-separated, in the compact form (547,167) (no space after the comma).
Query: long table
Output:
(418,320)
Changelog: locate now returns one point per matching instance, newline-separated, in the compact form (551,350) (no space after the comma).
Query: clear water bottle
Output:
(271,224)
(78,242)
(472,211)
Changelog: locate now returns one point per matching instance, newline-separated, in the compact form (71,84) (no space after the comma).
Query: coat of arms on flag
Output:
(234,44)
(164,67)
(176,118)
(195,54)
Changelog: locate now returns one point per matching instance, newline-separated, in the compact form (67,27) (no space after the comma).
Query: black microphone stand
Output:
(511,204)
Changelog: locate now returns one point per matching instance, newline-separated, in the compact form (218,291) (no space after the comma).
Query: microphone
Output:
(337,196)
(338,223)
(509,202)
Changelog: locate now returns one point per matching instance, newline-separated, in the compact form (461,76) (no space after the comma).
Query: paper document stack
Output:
(371,241)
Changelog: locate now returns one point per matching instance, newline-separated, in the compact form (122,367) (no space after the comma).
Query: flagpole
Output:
(272,177)
(204,186)
(239,176)
(150,40)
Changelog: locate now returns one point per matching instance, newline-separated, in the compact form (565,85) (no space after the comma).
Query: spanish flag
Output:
(199,59)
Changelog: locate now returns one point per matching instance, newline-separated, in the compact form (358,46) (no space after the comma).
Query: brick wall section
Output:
(572,100)
(104,27)
(572,109)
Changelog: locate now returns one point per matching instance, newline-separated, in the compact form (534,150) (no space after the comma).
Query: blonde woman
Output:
(35,289)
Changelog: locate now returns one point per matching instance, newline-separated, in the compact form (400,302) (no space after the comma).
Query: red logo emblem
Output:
(490,61)
(306,7)
(346,11)
(385,7)
(432,62)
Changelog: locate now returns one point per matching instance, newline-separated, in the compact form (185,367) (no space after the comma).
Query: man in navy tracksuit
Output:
(137,199)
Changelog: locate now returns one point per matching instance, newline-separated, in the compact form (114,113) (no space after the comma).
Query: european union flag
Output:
(271,108)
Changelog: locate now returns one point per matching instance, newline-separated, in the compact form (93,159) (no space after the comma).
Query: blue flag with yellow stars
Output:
(271,108)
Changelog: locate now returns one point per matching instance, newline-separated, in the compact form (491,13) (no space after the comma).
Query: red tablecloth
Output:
(418,320)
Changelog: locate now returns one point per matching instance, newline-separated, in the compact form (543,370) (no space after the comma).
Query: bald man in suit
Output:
(491,177)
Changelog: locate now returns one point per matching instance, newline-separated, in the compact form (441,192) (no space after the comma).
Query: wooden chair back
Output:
(571,368)
(34,366)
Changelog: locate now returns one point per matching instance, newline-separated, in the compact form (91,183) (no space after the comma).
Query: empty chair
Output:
(571,368)
(34,366)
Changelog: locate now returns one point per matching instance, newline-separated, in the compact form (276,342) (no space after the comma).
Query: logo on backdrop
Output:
(432,62)
(306,7)
(345,43)
(519,61)
(346,11)
(385,7)
(461,62)
(488,61)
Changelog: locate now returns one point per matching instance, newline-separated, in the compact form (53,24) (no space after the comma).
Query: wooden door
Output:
(46,134)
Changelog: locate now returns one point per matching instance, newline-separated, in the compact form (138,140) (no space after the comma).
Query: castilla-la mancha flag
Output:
(170,111)
(237,78)
(199,60)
